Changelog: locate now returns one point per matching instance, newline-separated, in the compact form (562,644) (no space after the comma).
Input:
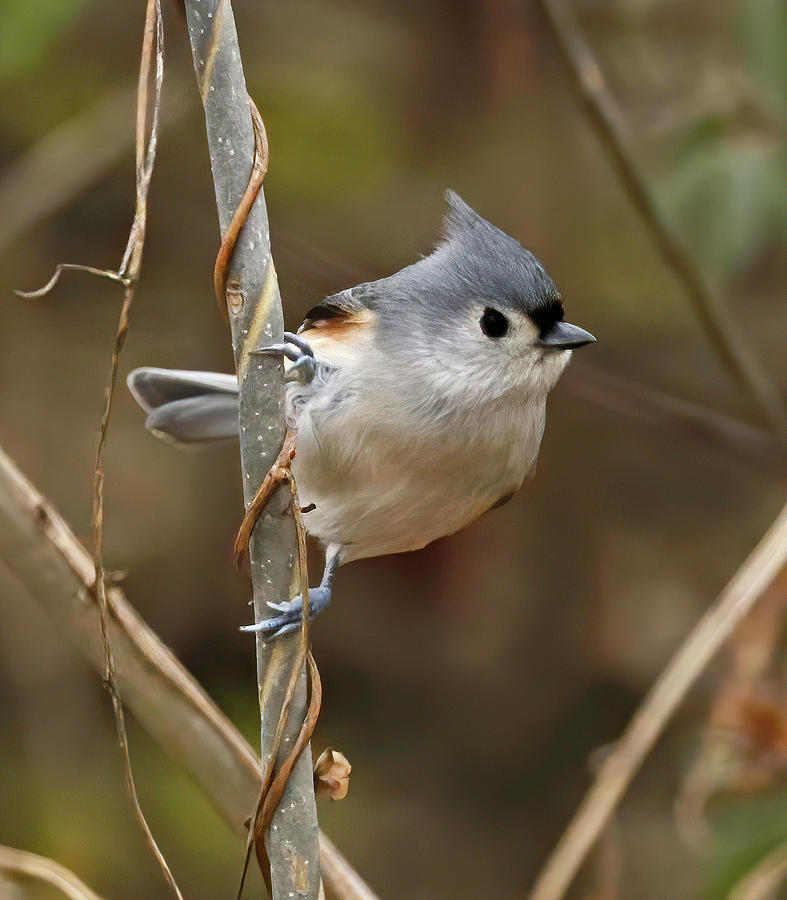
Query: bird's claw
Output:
(299,352)
(279,607)
(301,348)
(290,613)
(272,628)
(303,369)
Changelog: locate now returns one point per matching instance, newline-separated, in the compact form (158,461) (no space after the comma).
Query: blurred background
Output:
(470,684)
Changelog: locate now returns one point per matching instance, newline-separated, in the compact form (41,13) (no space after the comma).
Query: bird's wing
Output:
(336,325)
(337,310)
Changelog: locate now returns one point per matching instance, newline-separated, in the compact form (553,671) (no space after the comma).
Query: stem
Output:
(56,572)
(724,335)
(256,320)
(735,602)
(20,863)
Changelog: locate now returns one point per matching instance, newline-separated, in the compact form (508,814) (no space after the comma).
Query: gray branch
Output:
(256,320)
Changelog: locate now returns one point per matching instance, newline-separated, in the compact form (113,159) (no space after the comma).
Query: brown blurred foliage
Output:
(468,683)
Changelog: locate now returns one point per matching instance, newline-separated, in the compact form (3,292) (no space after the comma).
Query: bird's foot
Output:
(291,613)
(299,352)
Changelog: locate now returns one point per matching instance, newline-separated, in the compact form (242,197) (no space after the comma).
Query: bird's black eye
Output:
(493,323)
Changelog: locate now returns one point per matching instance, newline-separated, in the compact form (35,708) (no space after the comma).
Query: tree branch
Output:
(724,335)
(764,880)
(256,316)
(616,773)
(31,865)
(57,572)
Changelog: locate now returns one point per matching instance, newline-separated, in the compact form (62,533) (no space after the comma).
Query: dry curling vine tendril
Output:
(151,67)
(273,785)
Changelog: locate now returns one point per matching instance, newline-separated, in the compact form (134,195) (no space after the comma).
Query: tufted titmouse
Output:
(418,400)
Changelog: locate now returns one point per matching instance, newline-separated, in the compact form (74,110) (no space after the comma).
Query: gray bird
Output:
(418,400)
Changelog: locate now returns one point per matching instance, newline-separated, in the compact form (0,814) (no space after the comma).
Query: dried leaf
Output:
(332,774)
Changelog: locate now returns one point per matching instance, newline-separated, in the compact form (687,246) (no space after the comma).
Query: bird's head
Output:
(483,309)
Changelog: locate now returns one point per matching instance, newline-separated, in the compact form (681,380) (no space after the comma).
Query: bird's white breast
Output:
(392,471)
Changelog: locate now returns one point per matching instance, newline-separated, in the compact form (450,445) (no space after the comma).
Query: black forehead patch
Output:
(545,315)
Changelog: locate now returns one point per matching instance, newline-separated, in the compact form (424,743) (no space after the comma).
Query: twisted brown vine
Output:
(276,775)
(225,295)
(151,68)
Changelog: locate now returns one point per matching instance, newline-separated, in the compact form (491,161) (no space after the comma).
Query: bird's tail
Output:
(187,407)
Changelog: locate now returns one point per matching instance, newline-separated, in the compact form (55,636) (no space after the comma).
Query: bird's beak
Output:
(565,336)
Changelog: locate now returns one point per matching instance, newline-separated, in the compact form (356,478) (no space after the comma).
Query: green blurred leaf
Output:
(727,199)
(30,28)
(744,831)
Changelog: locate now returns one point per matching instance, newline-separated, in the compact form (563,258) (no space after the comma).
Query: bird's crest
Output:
(459,217)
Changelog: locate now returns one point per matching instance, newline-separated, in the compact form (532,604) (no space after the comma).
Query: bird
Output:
(418,401)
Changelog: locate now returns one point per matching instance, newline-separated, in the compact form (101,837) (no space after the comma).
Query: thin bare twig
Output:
(765,879)
(616,773)
(58,574)
(151,65)
(40,868)
(111,274)
(671,414)
(743,745)
(151,68)
(725,336)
